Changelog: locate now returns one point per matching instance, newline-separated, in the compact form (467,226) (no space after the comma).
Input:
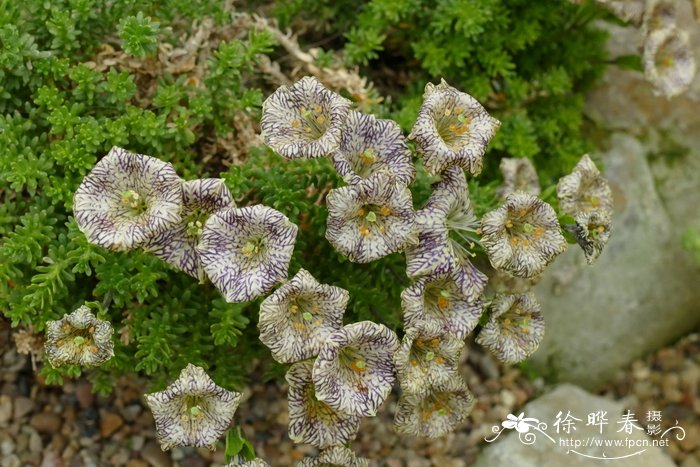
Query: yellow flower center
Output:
(313,121)
(368,156)
(133,201)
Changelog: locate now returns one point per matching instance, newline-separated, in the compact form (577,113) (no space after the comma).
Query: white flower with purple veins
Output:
(515,327)
(436,412)
(192,411)
(592,232)
(337,456)
(245,252)
(518,175)
(368,145)
(659,14)
(669,63)
(304,120)
(426,357)
(312,421)
(584,189)
(177,246)
(79,338)
(522,236)
(126,199)
(626,10)
(257,462)
(452,129)
(296,318)
(371,219)
(354,371)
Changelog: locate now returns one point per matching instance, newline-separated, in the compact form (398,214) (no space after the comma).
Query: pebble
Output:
(109,423)
(137,442)
(10,461)
(137,463)
(7,447)
(152,454)
(83,392)
(35,443)
(46,422)
(5,409)
(23,406)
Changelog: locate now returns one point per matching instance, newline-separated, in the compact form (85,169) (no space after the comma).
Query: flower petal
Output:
(337,456)
(584,189)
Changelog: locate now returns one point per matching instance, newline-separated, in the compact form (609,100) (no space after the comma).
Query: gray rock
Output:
(5,409)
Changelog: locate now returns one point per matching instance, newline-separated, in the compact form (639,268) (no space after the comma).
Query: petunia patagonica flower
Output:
(515,327)
(669,63)
(246,251)
(193,410)
(177,245)
(452,129)
(79,338)
(658,14)
(592,232)
(257,462)
(518,175)
(369,144)
(296,319)
(354,371)
(337,456)
(434,413)
(126,199)
(312,421)
(304,120)
(371,219)
(626,10)
(584,189)
(522,236)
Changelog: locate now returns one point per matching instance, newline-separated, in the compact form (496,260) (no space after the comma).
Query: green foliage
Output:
(691,242)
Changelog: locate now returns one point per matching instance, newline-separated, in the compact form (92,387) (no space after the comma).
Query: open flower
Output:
(515,327)
(371,219)
(434,413)
(426,357)
(193,410)
(337,456)
(312,421)
(592,232)
(79,338)
(522,236)
(354,371)
(369,144)
(584,189)
(669,63)
(304,120)
(518,175)
(246,251)
(452,129)
(177,245)
(626,10)
(126,199)
(296,319)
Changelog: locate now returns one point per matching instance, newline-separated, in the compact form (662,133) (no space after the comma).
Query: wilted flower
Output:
(246,251)
(177,245)
(337,456)
(369,144)
(522,236)
(354,371)
(426,357)
(296,319)
(304,120)
(126,199)
(592,232)
(193,410)
(518,175)
(626,10)
(584,189)
(79,338)
(452,129)
(515,327)
(668,60)
(371,219)
(312,421)
(436,412)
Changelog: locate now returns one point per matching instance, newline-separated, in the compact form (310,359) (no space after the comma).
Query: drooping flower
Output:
(370,219)
(518,175)
(126,199)
(177,246)
(79,338)
(296,319)
(669,63)
(304,120)
(426,357)
(434,413)
(369,144)
(626,10)
(452,129)
(246,251)
(354,371)
(337,456)
(592,232)
(515,327)
(584,189)
(312,421)
(522,236)
(193,410)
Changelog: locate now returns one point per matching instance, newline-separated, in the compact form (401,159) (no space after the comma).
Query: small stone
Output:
(51,459)
(109,423)
(10,461)
(5,409)
(83,392)
(154,455)
(7,447)
(691,440)
(35,443)
(46,422)
(121,457)
(23,405)
(137,463)
(507,398)
(131,412)
(137,442)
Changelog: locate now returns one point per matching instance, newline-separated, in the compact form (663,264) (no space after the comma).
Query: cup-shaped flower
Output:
(296,318)
(518,175)
(658,14)
(354,371)
(337,456)
(311,420)
(522,236)
(434,413)
(304,120)
(79,338)
(669,62)
(177,245)
(371,219)
(246,251)
(126,199)
(584,189)
(452,129)
(257,462)
(193,410)
(426,357)
(515,327)
(626,10)
(368,145)
(592,232)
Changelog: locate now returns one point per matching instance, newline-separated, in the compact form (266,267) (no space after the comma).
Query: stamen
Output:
(250,248)
(385,211)
(364,231)
(359,365)
(296,123)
